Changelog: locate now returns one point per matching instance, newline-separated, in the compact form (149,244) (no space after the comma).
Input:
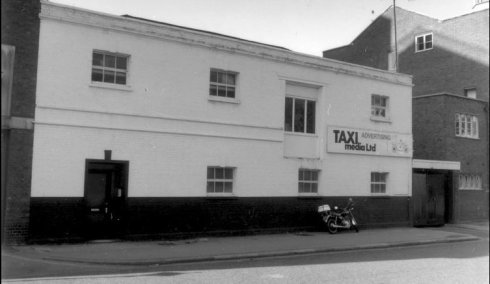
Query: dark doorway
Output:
(431,194)
(105,198)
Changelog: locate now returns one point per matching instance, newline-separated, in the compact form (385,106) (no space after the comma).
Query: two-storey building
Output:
(144,128)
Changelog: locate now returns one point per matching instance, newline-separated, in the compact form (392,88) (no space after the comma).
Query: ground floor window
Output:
(378,182)
(469,181)
(220,179)
(308,181)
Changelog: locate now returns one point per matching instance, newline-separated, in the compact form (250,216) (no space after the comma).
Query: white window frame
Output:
(305,118)
(466,126)
(311,182)
(424,41)
(376,109)
(227,86)
(379,183)
(214,180)
(114,69)
(470,182)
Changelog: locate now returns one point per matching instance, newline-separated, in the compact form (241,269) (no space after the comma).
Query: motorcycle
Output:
(338,218)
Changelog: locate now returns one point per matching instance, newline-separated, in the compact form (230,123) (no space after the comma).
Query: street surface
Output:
(460,262)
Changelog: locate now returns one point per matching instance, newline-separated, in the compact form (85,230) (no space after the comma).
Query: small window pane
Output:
(214,77)
(420,40)
(428,45)
(210,173)
(97,59)
(228,187)
(420,46)
(221,77)
(121,78)
(314,187)
(219,187)
(231,79)
(228,173)
(219,172)
(121,63)
(96,75)
(288,115)
(213,90)
(210,186)
(428,38)
(310,118)
(221,91)
(110,61)
(230,93)
(109,76)
(301,175)
(307,175)
(299,115)
(301,187)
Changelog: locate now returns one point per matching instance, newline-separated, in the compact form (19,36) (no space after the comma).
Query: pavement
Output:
(113,252)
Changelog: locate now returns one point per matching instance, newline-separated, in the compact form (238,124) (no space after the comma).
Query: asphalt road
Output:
(465,262)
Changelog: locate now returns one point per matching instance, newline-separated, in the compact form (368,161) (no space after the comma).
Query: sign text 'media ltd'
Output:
(368,142)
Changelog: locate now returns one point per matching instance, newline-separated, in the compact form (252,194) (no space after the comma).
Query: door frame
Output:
(124,165)
(419,196)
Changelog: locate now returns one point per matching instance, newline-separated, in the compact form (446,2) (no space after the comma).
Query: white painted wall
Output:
(168,129)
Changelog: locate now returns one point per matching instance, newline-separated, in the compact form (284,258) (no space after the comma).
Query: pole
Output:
(396,44)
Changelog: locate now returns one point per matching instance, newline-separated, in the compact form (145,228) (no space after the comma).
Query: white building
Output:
(148,128)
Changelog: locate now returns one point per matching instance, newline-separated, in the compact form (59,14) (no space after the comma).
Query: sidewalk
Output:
(226,248)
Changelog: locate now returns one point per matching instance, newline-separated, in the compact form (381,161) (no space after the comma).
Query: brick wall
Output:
(434,138)
(20,28)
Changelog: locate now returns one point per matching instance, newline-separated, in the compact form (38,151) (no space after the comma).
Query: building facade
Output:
(20,36)
(147,129)
(449,62)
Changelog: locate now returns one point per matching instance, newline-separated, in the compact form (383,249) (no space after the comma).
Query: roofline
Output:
(201,31)
(465,15)
(149,28)
(449,95)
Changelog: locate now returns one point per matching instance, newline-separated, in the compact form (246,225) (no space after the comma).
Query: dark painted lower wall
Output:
(473,205)
(62,219)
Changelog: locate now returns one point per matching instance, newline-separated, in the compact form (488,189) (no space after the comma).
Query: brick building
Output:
(20,36)
(144,128)
(449,61)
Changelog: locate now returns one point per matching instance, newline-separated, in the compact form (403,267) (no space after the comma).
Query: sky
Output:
(305,26)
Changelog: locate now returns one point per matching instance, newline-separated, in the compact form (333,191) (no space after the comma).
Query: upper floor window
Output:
(424,42)
(299,115)
(379,107)
(222,83)
(220,180)
(308,181)
(470,93)
(109,67)
(466,125)
(378,182)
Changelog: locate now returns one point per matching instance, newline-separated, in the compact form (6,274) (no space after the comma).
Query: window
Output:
(378,182)
(222,83)
(468,181)
(299,115)
(308,181)
(220,179)
(470,93)
(109,68)
(423,42)
(379,107)
(466,125)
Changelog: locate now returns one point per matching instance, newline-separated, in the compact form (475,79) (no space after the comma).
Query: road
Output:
(465,262)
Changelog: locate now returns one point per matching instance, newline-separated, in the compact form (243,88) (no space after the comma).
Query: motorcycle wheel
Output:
(331,229)
(353,221)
